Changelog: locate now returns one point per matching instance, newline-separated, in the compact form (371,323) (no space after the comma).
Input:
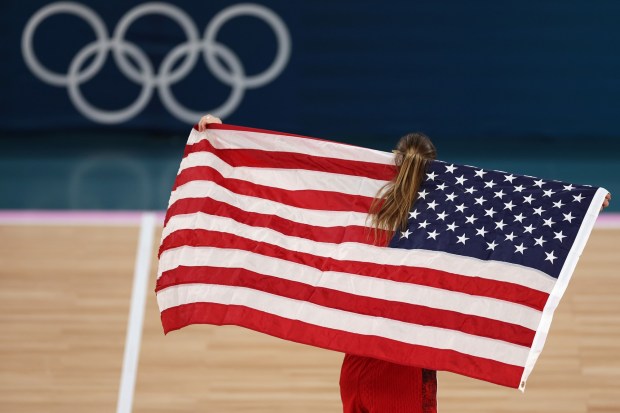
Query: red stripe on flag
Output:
(326,297)
(414,275)
(309,199)
(493,371)
(352,233)
(291,160)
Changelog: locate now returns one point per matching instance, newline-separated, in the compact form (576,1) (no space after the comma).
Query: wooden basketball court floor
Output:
(67,290)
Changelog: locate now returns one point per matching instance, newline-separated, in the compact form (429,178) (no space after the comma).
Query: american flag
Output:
(270,231)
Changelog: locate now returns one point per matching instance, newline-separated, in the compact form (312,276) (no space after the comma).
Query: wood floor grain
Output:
(64,300)
(64,304)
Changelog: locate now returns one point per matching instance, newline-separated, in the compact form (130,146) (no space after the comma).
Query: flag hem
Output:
(562,283)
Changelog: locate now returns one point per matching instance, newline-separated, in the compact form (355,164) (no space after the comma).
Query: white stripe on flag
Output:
(437,260)
(289,179)
(236,139)
(345,321)
(431,297)
(205,189)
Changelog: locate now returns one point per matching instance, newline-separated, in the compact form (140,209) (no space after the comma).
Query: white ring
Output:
(248,9)
(99,115)
(55,8)
(168,10)
(234,99)
(233,74)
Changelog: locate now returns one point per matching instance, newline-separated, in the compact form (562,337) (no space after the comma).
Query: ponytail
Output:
(390,209)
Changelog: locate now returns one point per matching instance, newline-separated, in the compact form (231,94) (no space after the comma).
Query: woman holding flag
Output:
(371,385)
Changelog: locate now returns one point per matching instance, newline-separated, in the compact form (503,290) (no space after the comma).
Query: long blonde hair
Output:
(390,209)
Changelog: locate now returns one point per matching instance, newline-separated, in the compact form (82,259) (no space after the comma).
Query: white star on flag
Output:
(470,219)
(568,217)
(452,226)
(520,248)
(559,236)
(539,241)
(550,257)
(462,239)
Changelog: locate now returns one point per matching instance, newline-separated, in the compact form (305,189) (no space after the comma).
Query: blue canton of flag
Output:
(494,215)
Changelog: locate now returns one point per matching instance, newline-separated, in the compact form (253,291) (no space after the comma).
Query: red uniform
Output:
(369,385)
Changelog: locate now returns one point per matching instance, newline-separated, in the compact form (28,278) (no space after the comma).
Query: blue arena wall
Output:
(529,87)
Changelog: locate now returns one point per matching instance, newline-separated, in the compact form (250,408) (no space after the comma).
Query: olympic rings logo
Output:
(233,75)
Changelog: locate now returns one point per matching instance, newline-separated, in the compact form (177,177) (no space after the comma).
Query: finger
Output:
(605,205)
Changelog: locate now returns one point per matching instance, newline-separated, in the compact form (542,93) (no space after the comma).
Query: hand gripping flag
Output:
(270,231)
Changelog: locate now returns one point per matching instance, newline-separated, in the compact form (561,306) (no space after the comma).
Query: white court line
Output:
(136,313)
